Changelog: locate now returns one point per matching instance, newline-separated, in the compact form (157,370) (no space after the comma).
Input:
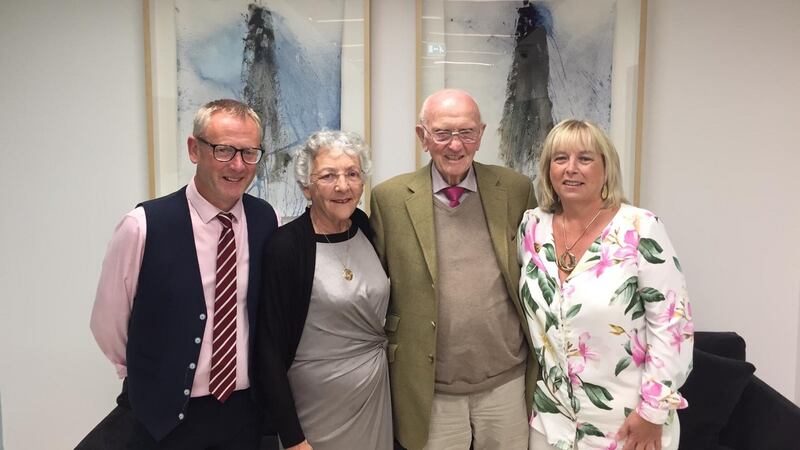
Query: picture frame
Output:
(317,77)
(593,57)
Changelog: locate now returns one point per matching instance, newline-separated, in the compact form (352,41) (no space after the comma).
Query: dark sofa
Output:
(729,407)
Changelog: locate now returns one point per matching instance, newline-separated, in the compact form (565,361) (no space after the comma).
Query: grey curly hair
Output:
(346,141)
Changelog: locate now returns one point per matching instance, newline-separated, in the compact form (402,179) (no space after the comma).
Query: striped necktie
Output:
(223,358)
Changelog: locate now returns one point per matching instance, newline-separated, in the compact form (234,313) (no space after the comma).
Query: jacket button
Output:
(197,340)
(430,358)
(202,317)
(192,366)
(186,392)
(180,416)
(433,324)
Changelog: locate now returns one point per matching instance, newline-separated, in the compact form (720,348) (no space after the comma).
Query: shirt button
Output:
(180,416)
(430,358)
(202,317)
(197,340)
(192,366)
(186,392)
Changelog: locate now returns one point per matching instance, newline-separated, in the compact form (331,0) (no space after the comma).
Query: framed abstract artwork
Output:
(531,64)
(302,65)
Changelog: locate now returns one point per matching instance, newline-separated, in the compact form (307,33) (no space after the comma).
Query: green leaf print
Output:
(531,270)
(651,295)
(555,372)
(572,312)
(593,258)
(547,285)
(556,377)
(575,403)
(628,293)
(543,403)
(628,347)
(677,264)
(638,309)
(538,351)
(528,299)
(625,291)
(549,252)
(627,411)
(598,395)
(591,430)
(551,320)
(595,247)
(651,251)
(622,364)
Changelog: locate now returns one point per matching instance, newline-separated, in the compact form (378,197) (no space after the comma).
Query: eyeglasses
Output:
(328,178)
(225,153)
(467,136)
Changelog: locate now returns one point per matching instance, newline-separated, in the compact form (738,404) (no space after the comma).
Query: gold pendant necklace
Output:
(347,273)
(567,261)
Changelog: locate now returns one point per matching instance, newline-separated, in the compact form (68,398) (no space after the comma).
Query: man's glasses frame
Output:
(225,153)
(467,136)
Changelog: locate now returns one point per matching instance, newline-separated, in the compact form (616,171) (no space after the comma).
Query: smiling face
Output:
(223,183)
(577,173)
(450,110)
(333,200)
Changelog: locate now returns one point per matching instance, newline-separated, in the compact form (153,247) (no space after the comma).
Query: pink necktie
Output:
(453,193)
(223,358)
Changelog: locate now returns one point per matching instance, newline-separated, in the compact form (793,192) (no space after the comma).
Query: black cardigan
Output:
(288,261)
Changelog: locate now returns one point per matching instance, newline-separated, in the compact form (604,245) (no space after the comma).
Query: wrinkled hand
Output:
(639,434)
(301,446)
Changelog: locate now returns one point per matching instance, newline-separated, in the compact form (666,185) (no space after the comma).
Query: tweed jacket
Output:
(403,226)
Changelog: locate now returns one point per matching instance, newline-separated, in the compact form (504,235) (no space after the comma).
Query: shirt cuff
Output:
(658,400)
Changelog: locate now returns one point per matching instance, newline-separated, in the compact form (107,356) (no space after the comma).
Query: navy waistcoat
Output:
(168,317)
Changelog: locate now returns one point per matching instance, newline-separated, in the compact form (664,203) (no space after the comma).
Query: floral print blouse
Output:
(614,337)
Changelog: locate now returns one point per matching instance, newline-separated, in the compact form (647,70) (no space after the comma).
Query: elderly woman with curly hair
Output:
(324,300)
(606,303)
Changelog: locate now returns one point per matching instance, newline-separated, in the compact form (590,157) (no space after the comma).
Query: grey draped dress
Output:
(340,378)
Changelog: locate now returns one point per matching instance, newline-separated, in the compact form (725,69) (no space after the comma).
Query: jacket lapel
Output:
(495,205)
(420,209)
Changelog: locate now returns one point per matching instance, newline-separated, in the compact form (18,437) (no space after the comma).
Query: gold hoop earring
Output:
(604,192)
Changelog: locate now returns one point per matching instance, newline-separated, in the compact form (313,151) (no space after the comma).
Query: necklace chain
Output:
(347,273)
(567,261)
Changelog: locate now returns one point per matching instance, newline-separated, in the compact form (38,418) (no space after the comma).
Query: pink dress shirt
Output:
(470,183)
(120,275)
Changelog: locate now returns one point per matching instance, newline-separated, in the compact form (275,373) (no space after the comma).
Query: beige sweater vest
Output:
(479,342)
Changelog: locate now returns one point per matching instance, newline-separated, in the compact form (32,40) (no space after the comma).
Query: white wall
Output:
(721,166)
(73,154)
(721,83)
(393,102)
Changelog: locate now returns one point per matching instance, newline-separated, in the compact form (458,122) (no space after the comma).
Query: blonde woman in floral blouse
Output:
(606,303)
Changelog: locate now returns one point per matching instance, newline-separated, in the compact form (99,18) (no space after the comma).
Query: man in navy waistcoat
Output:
(161,295)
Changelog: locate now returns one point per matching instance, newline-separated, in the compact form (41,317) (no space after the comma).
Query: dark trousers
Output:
(209,425)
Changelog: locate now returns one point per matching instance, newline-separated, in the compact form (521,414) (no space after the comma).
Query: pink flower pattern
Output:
(649,355)
(629,249)
(531,245)
(604,263)
(640,353)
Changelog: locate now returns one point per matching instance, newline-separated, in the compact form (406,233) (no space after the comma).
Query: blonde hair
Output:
(571,133)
